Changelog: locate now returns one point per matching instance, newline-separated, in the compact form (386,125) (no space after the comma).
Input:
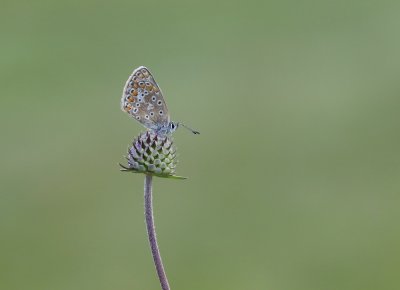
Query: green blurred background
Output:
(294,181)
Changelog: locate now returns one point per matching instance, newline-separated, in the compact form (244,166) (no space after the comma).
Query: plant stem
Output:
(151,232)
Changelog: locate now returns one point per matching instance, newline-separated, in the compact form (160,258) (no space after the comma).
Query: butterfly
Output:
(143,100)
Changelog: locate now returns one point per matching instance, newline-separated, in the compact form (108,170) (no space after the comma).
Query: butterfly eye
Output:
(141,84)
(135,110)
(161,112)
(159,102)
(153,98)
(152,114)
(146,93)
(137,105)
(148,84)
(137,118)
(147,117)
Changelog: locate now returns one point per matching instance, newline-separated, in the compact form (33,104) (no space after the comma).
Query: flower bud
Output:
(151,153)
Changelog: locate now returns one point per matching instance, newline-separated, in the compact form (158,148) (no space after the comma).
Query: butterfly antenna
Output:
(190,129)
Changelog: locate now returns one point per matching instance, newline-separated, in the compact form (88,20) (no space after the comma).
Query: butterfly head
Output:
(172,126)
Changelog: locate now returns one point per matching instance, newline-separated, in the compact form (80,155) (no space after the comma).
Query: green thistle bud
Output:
(153,154)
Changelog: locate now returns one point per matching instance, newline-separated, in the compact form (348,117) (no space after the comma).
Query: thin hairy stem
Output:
(151,232)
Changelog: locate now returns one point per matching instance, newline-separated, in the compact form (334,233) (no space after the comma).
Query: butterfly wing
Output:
(143,100)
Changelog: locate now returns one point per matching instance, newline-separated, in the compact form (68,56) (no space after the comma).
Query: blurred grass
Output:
(293,181)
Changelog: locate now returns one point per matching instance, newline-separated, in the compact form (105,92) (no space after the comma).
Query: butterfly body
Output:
(143,100)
